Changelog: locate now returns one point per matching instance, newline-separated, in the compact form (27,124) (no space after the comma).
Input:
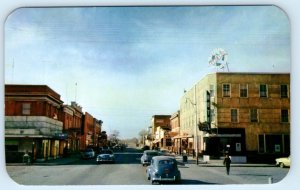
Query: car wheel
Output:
(281,165)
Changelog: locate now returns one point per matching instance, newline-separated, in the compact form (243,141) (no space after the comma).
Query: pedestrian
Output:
(227,162)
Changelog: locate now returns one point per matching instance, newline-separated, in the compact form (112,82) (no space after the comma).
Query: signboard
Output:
(61,135)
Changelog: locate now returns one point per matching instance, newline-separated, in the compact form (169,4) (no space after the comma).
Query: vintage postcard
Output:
(142,95)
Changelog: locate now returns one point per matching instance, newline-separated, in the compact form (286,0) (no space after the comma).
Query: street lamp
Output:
(195,129)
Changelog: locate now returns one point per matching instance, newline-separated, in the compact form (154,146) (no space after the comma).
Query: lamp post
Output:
(195,129)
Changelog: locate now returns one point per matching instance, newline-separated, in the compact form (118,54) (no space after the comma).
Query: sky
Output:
(125,64)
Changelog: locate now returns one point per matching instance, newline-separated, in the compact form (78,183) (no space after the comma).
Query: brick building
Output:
(90,131)
(72,121)
(32,122)
(245,114)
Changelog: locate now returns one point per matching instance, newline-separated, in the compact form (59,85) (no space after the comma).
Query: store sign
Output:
(61,135)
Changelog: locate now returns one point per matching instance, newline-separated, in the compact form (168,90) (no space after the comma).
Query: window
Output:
(284,116)
(212,115)
(226,90)
(212,90)
(253,115)
(263,91)
(284,91)
(243,90)
(26,109)
(234,115)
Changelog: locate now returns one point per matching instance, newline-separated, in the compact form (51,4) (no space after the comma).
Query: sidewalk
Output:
(58,161)
(216,163)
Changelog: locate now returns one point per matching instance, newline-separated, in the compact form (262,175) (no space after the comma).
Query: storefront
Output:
(227,141)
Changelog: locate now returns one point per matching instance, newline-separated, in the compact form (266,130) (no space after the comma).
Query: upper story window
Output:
(284,116)
(234,115)
(263,90)
(26,108)
(253,115)
(212,90)
(244,90)
(226,90)
(284,91)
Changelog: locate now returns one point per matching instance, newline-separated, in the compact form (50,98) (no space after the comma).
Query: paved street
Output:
(128,171)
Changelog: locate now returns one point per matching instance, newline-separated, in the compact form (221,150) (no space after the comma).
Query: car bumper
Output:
(105,160)
(165,179)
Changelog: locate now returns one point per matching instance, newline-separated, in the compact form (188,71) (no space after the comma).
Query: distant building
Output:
(160,127)
(72,121)
(175,133)
(90,131)
(32,122)
(243,114)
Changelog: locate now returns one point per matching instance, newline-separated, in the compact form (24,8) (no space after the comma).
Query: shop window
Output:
(261,143)
(11,148)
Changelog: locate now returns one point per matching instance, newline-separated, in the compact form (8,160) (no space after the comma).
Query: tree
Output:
(114,137)
(143,134)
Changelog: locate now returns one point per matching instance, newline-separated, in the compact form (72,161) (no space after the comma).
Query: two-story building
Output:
(32,122)
(244,114)
(90,131)
(72,122)
(160,126)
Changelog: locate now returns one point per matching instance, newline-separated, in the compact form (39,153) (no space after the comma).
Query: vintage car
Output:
(105,156)
(88,153)
(147,156)
(283,162)
(163,169)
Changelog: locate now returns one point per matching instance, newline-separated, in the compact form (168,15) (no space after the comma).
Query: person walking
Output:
(227,162)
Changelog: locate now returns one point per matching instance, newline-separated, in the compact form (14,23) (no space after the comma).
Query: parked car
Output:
(147,156)
(106,156)
(283,162)
(163,169)
(164,153)
(146,148)
(88,153)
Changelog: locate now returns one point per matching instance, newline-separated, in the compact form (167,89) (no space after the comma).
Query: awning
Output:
(182,136)
(173,134)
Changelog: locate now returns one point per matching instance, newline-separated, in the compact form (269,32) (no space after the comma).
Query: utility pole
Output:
(196,131)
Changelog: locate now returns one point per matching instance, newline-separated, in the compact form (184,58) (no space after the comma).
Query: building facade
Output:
(90,131)
(243,114)
(72,121)
(160,125)
(175,133)
(32,122)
